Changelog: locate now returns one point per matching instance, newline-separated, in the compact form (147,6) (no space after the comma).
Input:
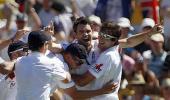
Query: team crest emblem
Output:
(97,67)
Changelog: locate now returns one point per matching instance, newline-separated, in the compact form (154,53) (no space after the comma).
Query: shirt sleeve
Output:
(58,72)
(66,85)
(101,66)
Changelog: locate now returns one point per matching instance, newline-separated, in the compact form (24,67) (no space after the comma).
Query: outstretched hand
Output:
(109,87)
(19,34)
(49,29)
(156,29)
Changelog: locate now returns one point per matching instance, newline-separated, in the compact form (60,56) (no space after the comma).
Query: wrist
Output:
(149,33)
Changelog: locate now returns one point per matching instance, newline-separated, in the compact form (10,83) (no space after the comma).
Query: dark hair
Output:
(77,50)
(81,20)
(58,7)
(36,40)
(16,46)
(112,29)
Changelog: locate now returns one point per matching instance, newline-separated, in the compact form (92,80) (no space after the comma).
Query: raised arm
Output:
(18,35)
(139,38)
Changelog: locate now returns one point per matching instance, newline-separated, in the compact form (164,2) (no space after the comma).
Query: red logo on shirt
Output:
(98,67)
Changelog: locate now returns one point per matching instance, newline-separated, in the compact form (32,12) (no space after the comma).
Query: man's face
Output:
(84,34)
(95,26)
(156,46)
(166,91)
(72,61)
(124,32)
(105,41)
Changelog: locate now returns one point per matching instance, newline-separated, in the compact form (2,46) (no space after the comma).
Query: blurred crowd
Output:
(145,66)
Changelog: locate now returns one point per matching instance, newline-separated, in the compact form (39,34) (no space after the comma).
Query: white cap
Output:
(157,37)
(166,82)
(148,22)
(95,19)
(124,22)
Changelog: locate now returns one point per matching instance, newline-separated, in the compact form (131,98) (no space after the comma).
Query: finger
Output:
(114,87)
(47,28)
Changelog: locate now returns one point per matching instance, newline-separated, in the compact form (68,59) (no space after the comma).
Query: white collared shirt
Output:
(35,75)
(107,68)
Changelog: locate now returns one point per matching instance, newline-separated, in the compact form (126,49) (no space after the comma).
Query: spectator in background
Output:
(22,22)
(46,14)
(63,16)
(127,29)
(166,88)
(146,25)
(137,84)
(109,10)
(59,34)
(33,18)
(95,24)
(87,6)
(167,66)
(165,12)
(155,57)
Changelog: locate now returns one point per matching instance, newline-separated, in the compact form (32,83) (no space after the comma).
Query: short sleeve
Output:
(66,85)
(58,72)
(101,65)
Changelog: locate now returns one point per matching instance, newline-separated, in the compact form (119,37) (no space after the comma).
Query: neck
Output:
(89,48)
(42,50)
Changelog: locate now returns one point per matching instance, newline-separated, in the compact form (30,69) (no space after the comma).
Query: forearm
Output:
(82,80)
(77,79)
(134,40)
(74,7)
(6,67)
(36,19)
(79,95)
